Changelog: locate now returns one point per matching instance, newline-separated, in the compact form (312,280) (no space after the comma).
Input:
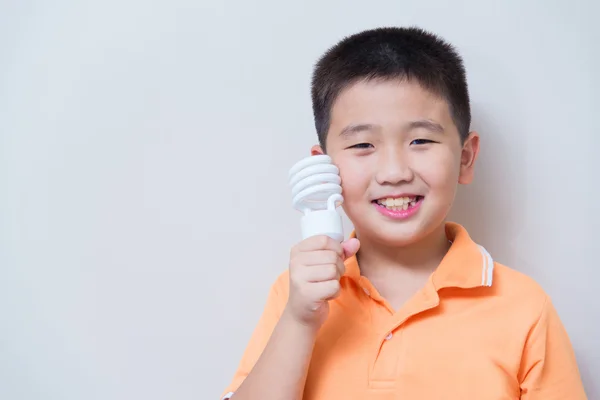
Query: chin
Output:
(400,236)
(396,233)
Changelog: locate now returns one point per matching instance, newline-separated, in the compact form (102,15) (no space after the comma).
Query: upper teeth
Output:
(397,202)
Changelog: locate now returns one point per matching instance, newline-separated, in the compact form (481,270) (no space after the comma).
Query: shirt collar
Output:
(465,265)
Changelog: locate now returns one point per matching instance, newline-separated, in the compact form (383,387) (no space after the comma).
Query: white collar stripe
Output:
(487,269)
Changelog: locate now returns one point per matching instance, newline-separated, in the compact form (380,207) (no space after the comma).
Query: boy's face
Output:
(400,159)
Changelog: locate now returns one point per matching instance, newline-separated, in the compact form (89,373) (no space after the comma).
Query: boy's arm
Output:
(548,367)
(280,372)
(275,362)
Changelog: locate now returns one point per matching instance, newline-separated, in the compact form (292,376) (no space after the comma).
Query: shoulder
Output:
(276,297)
(547,363)
(281,286)
(510,279)
(518,291)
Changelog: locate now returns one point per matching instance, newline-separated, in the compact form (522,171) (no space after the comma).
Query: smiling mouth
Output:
(398,203)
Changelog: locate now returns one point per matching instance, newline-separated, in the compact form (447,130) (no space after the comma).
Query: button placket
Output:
(384,369)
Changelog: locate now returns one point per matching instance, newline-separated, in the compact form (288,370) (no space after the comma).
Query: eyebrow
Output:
(353,129)
(428,125)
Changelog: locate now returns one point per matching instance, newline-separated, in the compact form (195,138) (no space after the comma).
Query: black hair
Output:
(386,54)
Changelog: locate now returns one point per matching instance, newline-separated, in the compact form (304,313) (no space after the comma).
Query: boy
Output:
(420,311)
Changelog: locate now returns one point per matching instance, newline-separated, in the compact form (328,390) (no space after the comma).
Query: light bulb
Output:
(316,192)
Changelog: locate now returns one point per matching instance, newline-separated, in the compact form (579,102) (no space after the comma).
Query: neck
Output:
(423,256)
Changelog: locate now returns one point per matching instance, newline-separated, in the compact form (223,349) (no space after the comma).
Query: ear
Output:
(316,150)
(468,156)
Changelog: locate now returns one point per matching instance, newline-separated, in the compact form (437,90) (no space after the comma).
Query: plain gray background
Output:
(144,150)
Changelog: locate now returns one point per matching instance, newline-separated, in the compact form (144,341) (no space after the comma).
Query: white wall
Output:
(144,147)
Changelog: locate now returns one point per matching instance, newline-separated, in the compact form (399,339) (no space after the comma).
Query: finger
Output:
(321,273)
(341,267)
(319,242)
(350,247)
(327,290)
(319,257)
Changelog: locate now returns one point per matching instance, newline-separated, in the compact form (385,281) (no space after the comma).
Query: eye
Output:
(421,141)
(361,146)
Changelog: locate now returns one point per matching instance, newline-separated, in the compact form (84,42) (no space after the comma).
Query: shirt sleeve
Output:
(548,367)
(273,308)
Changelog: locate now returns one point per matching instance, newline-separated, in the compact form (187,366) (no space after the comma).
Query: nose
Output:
(394,168)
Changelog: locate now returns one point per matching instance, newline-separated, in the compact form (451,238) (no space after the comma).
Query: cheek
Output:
(439,170)
(355,178)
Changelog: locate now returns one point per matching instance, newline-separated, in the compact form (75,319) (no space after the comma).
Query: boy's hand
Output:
(316,265)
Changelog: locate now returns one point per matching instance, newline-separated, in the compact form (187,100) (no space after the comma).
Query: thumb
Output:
(350,247)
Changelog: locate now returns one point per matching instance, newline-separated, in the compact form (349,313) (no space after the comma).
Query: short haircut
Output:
(391,53)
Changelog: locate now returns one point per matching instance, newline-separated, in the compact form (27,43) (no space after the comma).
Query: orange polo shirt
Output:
(476,330)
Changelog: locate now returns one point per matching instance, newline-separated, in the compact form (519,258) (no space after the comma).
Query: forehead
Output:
(388,103)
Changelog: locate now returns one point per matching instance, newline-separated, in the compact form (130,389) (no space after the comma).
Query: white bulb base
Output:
(322,222)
